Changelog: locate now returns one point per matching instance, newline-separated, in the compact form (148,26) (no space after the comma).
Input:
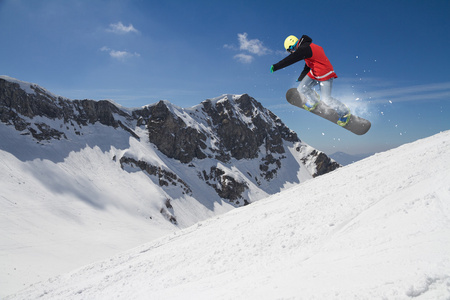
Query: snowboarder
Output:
(319,71)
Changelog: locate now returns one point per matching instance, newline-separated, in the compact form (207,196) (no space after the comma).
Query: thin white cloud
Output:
(119,28)
(424,92)
(232,47)
(424,88)
(119,55)
(248,48)
(254,46)
(244,58)
(122,54)
(445,95)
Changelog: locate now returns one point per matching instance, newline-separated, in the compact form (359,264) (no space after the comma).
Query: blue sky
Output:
(392,58)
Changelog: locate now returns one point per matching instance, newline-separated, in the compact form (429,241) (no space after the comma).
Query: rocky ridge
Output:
(208,139)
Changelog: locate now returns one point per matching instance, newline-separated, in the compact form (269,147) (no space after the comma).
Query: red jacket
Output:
(318,67)
(321,68)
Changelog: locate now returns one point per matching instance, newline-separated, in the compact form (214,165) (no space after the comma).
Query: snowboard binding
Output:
(343,121)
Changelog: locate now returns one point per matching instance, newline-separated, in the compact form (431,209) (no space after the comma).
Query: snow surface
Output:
(65,204)
(376,229)
(346,159)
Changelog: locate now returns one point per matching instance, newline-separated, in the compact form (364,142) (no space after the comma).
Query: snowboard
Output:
(357,125)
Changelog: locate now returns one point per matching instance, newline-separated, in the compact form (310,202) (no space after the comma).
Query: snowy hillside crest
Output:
(380,230)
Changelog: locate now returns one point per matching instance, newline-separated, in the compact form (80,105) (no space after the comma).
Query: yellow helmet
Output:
(290,42)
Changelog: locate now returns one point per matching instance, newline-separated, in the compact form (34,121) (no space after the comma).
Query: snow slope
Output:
(346,159)
(376,229)
(62,214)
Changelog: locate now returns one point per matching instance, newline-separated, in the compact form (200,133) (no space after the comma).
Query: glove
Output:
(271,69)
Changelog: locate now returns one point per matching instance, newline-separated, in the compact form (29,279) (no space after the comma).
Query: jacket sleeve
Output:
(301,53)
(305,71)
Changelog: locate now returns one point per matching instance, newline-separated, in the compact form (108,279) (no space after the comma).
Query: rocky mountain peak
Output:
(211,139)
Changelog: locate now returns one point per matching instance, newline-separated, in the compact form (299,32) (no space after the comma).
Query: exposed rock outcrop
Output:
(231,143)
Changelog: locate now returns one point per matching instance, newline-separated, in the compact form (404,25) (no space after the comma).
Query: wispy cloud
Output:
(248,48)
(243,58)
(254,46)
(414,89)
(119,55)
(119,28)
(434,91)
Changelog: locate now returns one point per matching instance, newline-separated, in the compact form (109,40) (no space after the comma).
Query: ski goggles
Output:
(291,49)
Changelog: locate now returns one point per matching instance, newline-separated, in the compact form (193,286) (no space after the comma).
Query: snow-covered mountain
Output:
(84,179)
(376,229)
(225,132)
